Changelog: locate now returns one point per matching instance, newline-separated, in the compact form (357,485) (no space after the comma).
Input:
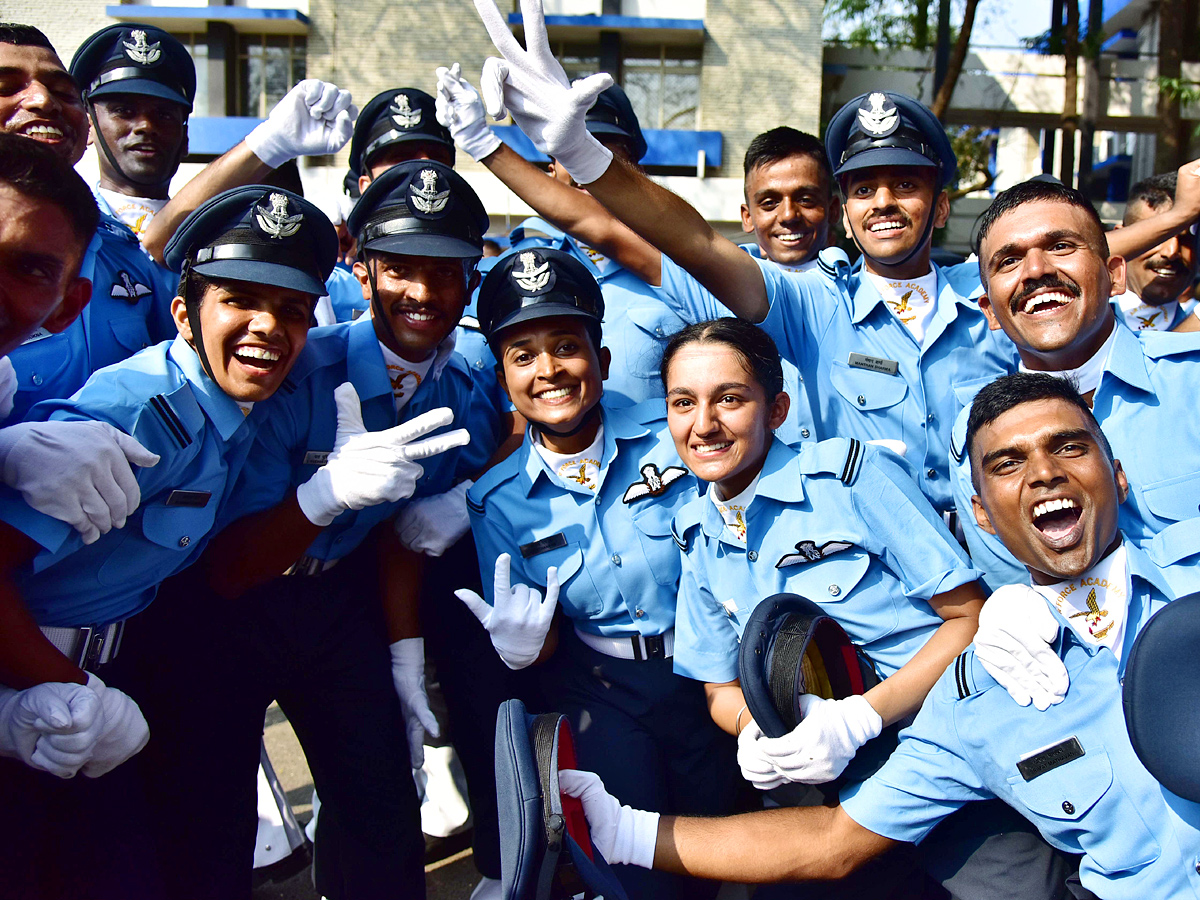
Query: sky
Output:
(1002,23)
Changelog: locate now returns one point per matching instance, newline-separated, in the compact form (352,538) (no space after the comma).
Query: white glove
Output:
(432,525)
(1016,628)
(70,712)
(623,835)
(8,387)
(829,734)
(532,86)
(77,472)
(314,118)
(370,467)
(408,675)
(519,621)
(756,767)
(460,109)
(125,730)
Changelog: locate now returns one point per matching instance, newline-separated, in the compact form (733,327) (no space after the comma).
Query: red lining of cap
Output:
(572,807)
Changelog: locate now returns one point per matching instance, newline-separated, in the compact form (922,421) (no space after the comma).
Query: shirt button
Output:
(184,541)
(658,331)
(834,590)
(616,559)
(1068,807)
(862,400)
(597,499)
(931,473)
(752,555)
(36,379)
(1198,866)
(640,613)
(804,432)
(799,377)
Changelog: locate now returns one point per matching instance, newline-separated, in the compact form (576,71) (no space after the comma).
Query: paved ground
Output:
(451,878)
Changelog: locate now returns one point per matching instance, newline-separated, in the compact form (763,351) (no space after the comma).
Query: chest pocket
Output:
(1174,499)
(1080,800)
(41,361)
(130,333)
(965,391)
(866,390)
(652,524)
(577,590)
(832,582)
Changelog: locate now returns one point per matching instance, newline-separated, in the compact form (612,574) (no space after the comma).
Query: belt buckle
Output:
(655,647)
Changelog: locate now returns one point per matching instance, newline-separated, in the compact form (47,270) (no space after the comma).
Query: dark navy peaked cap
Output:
(394,117)
(886,129)
(536,284)
(612,115)
(135,59)
(259,234)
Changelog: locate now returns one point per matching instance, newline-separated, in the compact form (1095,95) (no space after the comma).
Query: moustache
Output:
(1046,281)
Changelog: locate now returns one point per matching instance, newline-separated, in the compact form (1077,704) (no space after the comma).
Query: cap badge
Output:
(532,277)
(403,114)
(427,198)
(878,115)
(140,51)
(275,222)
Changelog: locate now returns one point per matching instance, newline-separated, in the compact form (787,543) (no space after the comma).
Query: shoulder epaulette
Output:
(956,452)
(1159,344)
(504,471)
(161,407)
(841,457)
(116,228)
(833,261)
(474,507)
(680,541)
(964,681)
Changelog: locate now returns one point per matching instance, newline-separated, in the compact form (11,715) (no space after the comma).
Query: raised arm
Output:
(1133,240)
(532,86)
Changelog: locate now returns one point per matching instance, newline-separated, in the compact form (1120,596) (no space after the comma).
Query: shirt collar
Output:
(866,298)
(780,479)
(364,361)
(220,408)
(618,426)
(1127,359)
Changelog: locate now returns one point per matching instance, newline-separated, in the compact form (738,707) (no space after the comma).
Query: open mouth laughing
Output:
(1059,521)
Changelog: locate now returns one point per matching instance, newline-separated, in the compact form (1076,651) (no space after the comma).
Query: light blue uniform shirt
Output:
(298,433)
(637,324)
(1138,840)
(844,340)
(129,311)
(163,399)
(838,522)
(1146,406)
(345,294)
(618,565)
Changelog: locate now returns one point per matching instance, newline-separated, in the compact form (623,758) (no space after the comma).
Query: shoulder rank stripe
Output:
(960,676)
(288,385)
(476,508)
(853,457)
(170,420)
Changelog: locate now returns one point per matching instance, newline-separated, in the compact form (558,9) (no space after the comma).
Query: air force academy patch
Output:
(808,552)
(653,482)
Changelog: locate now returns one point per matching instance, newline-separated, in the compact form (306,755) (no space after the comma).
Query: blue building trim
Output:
(213,135)
(615,22)
(665,147)
(144,13)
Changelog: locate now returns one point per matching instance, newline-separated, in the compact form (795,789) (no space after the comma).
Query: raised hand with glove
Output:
(532,86)
(77,472)
(432,525)
(623,835)
(1013,643)
(519,620)
(370,467)
(314,118)
(71,712)
(460,109)
(821,746)
(408,675)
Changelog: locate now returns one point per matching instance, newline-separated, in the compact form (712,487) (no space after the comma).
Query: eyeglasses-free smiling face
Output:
(790,207)
(40,100)
(719,415)
(1047,488)
(887,208)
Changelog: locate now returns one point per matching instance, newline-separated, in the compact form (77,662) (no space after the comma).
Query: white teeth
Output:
(790,238)
(258,353)
(1054,297)
(555,394)
(1050,506)
(50,130)
(419,317)
(709,448)
(879,227)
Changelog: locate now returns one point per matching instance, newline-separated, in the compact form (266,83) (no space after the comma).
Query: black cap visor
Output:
(260,271)
(136,85)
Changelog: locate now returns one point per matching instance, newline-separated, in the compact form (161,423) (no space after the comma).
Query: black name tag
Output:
(316,457)
(188,498)
(874,364)
(1050,758)
(544,545)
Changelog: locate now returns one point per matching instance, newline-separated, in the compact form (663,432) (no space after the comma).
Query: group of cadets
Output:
(248,457)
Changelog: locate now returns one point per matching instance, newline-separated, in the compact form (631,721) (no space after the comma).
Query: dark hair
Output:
(23,36)
(780,143)
(1010,391)
(1155,191)
(33,170)
(1032,192)
(755,347)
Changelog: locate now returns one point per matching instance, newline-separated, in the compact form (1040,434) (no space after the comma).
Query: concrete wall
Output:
(66,24)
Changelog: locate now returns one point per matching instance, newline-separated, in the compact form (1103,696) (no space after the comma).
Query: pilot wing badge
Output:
(127,289)
(653,482)
(808,552)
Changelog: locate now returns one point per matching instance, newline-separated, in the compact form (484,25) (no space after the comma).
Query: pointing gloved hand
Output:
(432,525)
(829,734)
(408,675)
(519,621)
(370,467)
(71,712)
(8,387)
(623,835)
(460,109)
(125,730)
(756,766)
(77,472)
(1016,629)
(532,86)
(314,118)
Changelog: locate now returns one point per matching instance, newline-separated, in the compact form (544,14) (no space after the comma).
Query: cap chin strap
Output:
(377,304)
(112,160)
(192,305)
(588,418)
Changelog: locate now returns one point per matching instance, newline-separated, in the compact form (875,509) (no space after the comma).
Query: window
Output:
(197,46)
(664,88)
(268,66)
